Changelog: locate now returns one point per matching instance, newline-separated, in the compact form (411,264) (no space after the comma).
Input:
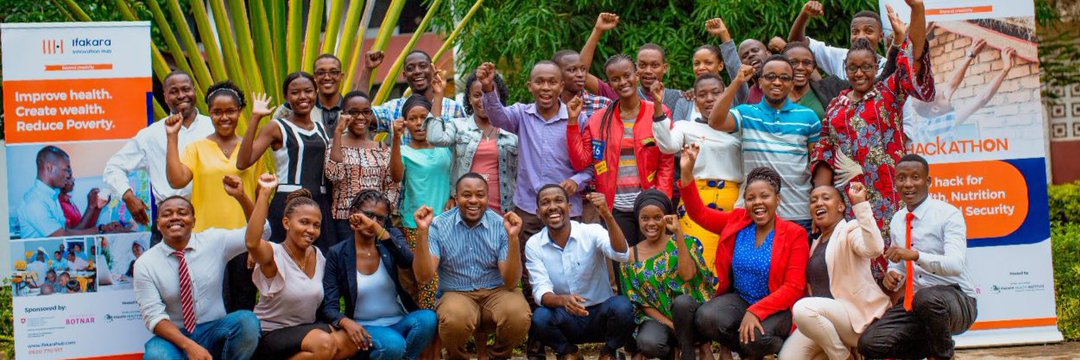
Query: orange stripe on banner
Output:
(1014,323)
(69,67)
(131,356)
(960,10)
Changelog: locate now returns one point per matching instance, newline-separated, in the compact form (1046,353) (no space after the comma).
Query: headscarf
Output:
(413,101)
(653,197)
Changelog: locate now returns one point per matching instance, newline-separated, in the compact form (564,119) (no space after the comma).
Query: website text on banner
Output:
(985,138)
(74,92)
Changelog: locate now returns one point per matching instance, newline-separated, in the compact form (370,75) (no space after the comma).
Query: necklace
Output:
(302,263)
(488,134)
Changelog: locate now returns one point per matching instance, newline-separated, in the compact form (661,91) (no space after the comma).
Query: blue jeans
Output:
(406,339)
(806,224)
(611,321)
(234,336)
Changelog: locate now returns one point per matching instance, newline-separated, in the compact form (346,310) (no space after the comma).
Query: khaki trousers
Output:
(462,313)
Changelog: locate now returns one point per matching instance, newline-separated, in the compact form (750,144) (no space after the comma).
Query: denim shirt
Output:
(465,136)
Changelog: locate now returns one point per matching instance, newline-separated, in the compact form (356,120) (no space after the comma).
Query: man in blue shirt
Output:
(41,215)
(479,265)
(568,261)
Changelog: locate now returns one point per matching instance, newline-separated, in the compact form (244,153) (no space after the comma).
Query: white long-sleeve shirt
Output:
(580,268)
(721,152)
(146,151)
(832,59)
(939,234)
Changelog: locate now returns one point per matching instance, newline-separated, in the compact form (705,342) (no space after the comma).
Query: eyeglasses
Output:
(804,63)
(381,219)
(865,68)
(359,113)
(226,112)
(770,77)
(322,73)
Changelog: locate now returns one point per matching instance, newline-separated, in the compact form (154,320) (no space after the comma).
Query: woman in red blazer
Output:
(760,263)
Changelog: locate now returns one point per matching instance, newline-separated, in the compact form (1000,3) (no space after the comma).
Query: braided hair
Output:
(766,174)
(301,197)
(368,196)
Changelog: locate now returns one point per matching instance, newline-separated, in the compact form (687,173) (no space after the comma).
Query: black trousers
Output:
(656,340)
(938,313)
(629,226)
(719,319)
(239,292)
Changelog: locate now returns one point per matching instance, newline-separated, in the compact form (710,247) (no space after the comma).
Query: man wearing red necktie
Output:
(178,288)
(928,265)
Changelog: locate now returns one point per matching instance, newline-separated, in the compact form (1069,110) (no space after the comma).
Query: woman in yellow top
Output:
(210,162)
(207,161)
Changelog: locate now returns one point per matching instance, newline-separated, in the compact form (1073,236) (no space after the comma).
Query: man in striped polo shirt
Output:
(776,133)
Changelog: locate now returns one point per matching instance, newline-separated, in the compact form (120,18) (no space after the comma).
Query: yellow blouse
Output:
(214,208)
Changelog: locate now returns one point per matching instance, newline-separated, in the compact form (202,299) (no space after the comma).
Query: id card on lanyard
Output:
(598,148)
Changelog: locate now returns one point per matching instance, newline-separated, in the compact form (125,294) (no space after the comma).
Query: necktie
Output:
(909,280)
(187,298)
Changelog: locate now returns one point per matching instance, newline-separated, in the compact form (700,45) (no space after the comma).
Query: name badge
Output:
(598,147)
(601,167)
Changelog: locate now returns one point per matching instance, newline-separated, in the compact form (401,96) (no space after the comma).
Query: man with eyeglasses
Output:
(146,151)
(328,83)
(776,133)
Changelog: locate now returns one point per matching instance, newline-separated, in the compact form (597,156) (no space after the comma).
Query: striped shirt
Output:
(780,139)
(468,256)
(628,185)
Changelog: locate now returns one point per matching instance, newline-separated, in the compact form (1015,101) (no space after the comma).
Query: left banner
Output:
(73,94)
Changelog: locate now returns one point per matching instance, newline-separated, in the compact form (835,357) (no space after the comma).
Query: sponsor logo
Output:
(52,46)
(125,316)
(79,320)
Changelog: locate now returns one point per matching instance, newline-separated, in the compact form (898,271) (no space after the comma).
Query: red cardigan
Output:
(655,169)
(791,251)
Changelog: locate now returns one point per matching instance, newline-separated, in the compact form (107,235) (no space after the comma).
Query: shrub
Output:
(1065,203)
(1066,249)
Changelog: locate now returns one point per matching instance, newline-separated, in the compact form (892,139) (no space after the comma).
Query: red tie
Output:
(187,300)
(909,280)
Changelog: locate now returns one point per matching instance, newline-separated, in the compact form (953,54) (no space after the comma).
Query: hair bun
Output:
(298,194)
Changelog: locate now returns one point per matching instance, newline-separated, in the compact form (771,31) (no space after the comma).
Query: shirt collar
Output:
(920,211)
(764,105)
(461,220)
(562,115)
(575,228)
(332,108)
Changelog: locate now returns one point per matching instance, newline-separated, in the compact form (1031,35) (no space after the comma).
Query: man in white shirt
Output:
(865,24)
(146,151)
(567,261)
(929,268)
(178,288)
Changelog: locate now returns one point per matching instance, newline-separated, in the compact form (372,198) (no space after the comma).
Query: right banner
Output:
(985,137)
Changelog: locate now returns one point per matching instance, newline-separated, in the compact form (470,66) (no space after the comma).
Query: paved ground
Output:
(1049,352)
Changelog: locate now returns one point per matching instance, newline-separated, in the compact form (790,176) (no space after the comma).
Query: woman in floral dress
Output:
(862,135)
(664,265)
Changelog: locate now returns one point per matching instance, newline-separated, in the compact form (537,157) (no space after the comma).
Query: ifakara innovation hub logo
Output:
(52,46)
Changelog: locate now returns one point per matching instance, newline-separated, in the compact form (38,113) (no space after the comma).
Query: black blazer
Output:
(340,274)
(827,89)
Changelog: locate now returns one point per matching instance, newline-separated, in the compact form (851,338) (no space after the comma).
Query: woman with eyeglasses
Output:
(862,134)
(208,163)
(356,162)
(426,175)
(479,146)
(379,315)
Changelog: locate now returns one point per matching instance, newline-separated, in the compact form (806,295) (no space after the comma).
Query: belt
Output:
(290,188)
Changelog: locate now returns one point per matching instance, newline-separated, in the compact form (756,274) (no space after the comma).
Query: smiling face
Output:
(414,121)
(622,77)
(866,28)
(775,81)
(545,84)
(418,72)
(180,95)
(651,222)
(225,113)
(476,99)
(651,65)
(472,199)
(706,94)
(328,76)
(573,73)
(802,64)
(303,225)
(553,208)
(706,62)
(761,201)
(913,182)
(861,67)
(753,52)
(826,207)
(175,220)
(358,109)
(301,95)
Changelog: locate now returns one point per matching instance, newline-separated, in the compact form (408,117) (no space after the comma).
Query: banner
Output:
(985,137)
(73,94)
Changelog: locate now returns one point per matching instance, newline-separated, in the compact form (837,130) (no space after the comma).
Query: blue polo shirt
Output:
(40,214)
(468,256)
(780,139)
